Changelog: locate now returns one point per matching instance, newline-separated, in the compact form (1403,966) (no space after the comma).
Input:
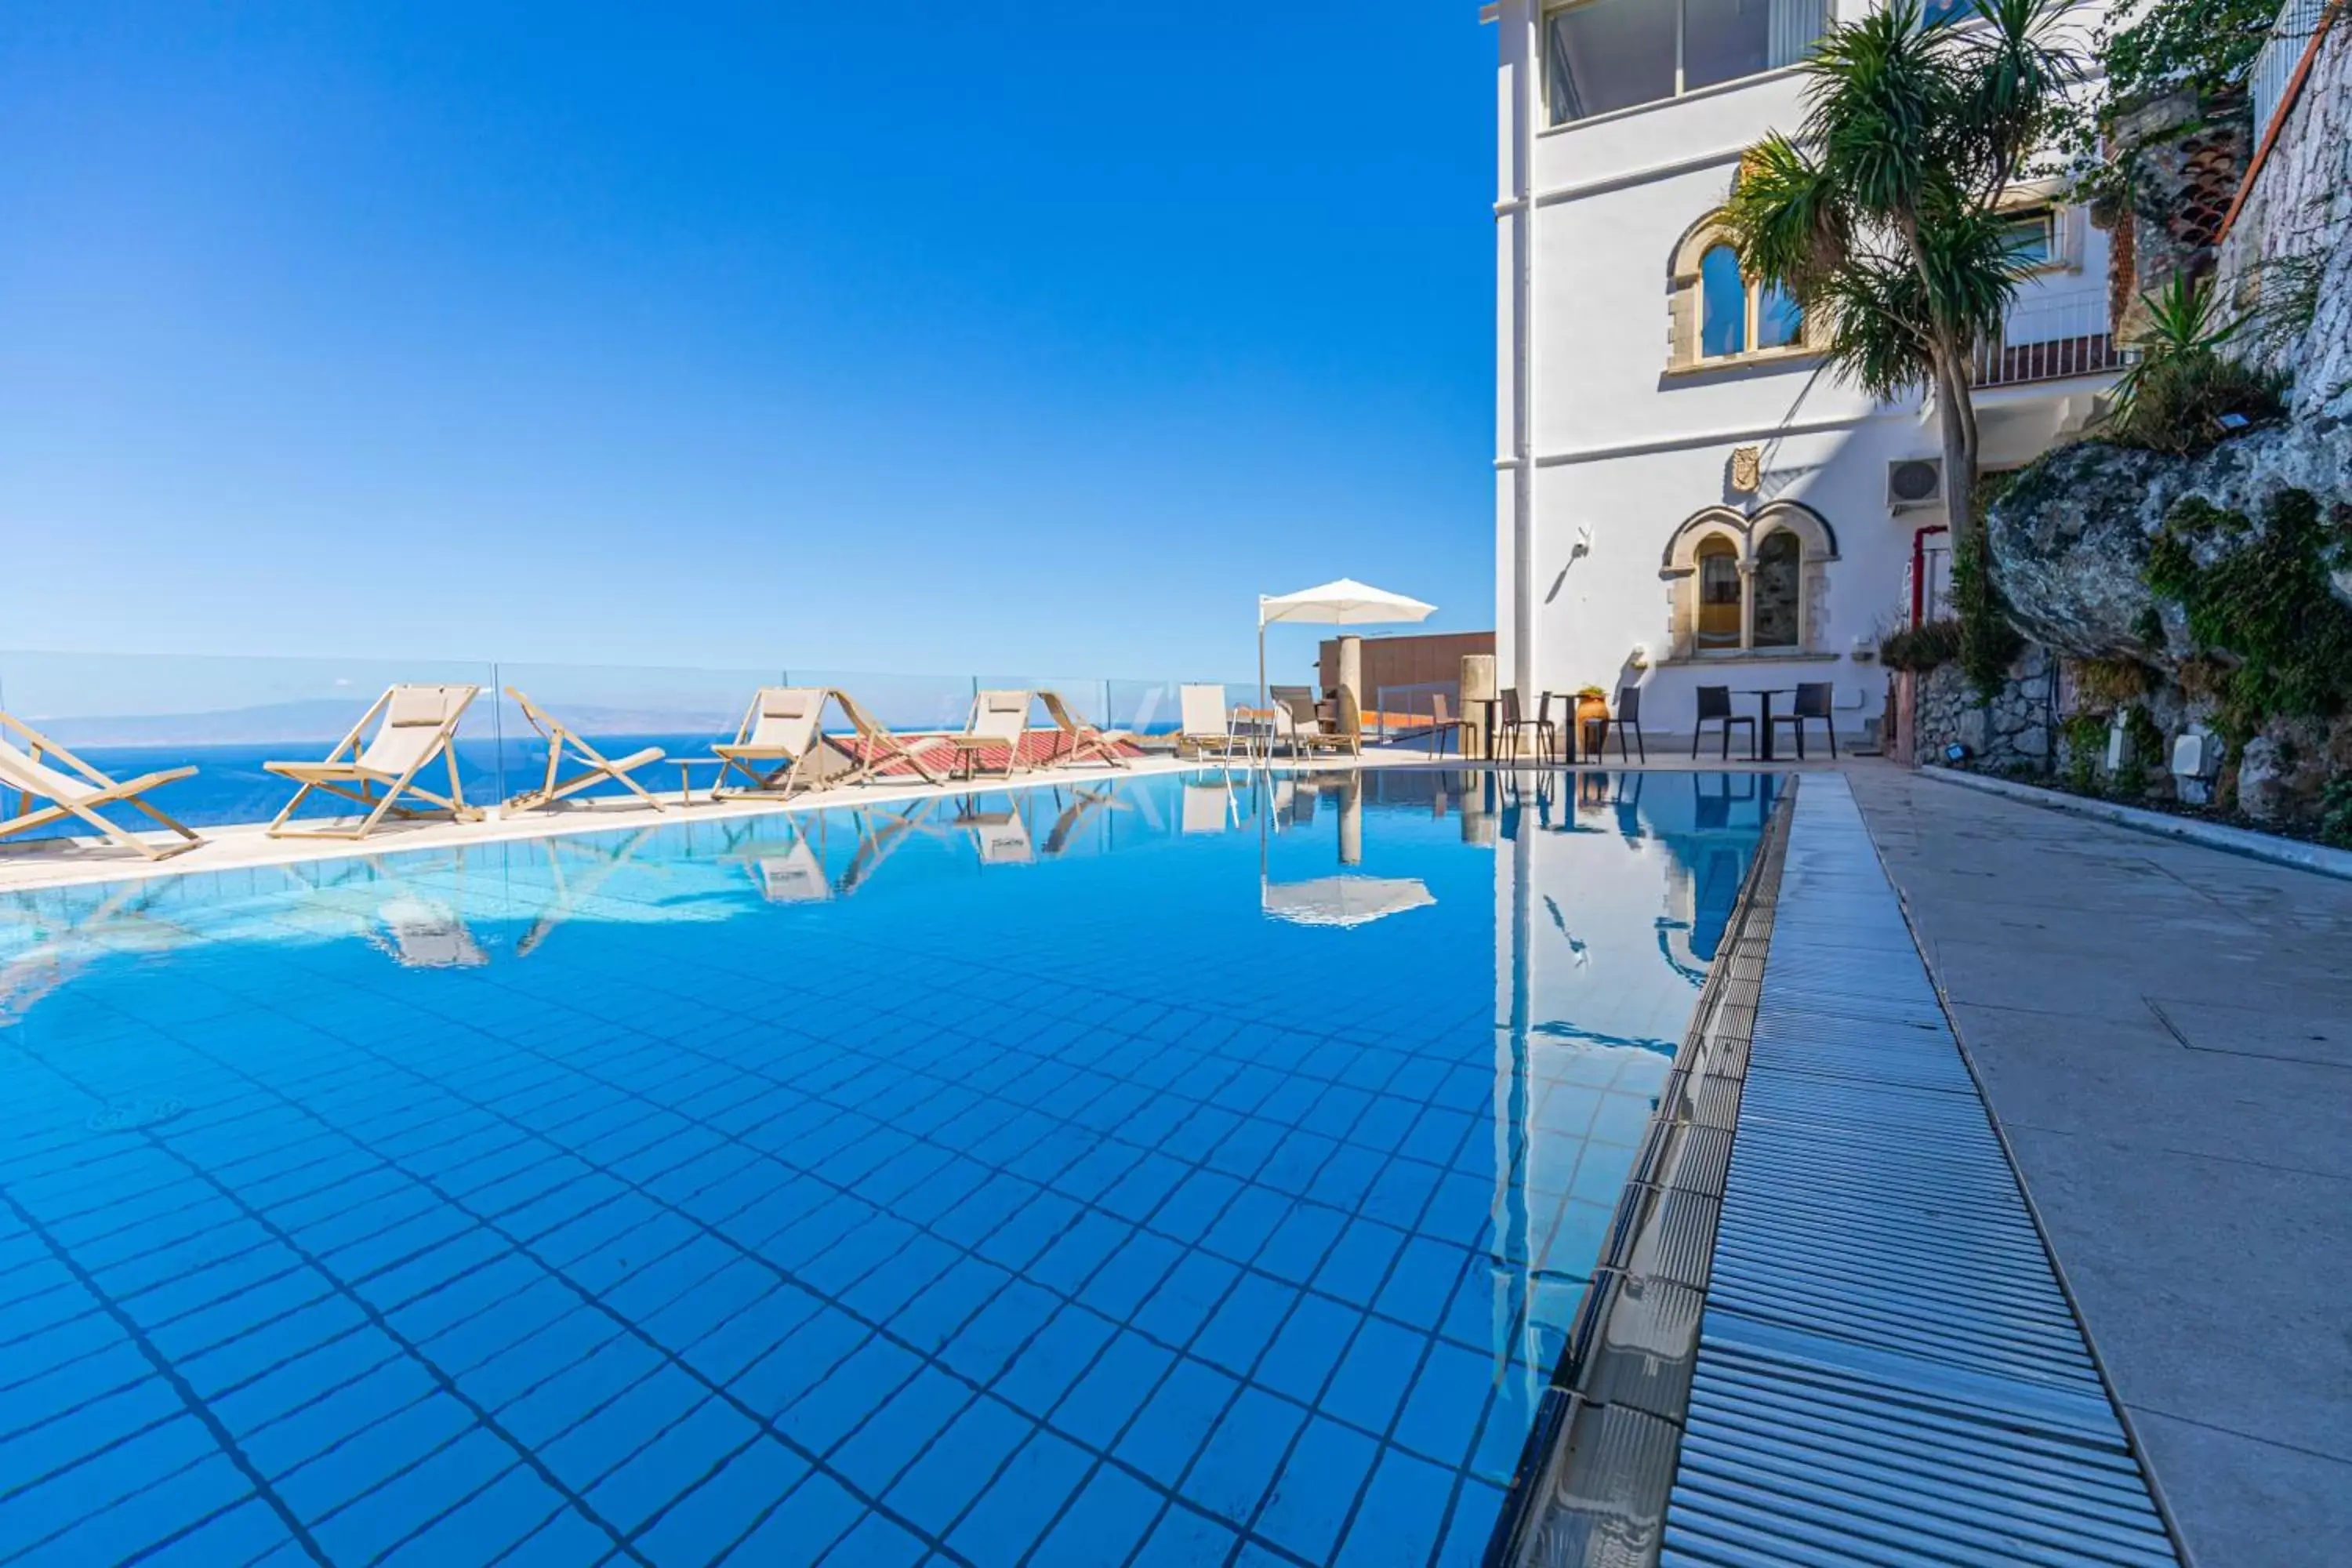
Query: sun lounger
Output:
(413,725)
(1296,722)
(999,721)
(1208,728)
(1078,740)
(561,738)
(876,746)
(779,735)
(1347,735)
(79,793)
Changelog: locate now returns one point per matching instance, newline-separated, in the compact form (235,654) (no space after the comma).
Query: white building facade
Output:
(1684,495)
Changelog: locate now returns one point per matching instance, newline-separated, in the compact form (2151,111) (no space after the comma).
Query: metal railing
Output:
(2298,22)
(1407,713)
(2049,340)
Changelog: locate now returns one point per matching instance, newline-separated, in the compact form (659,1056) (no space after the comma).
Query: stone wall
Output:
(2010,732)
(2298,211)
(2186,155)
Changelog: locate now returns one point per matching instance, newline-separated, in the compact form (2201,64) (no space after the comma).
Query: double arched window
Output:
(1736,316)
(1747,584)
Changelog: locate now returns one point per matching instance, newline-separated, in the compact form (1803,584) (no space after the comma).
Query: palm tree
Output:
(1881,214)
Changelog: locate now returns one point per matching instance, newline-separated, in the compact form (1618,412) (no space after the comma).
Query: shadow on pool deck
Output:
(2165,1034)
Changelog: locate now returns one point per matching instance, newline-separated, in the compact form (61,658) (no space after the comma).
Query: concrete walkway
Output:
(2165,1034)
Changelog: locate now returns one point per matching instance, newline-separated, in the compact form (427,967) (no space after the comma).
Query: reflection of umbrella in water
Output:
(1343,900)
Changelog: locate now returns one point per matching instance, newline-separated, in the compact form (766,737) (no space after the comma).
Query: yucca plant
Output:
(1882,213)
(2174,395)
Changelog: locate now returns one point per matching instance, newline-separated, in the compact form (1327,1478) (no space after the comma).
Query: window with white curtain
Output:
(1605,55)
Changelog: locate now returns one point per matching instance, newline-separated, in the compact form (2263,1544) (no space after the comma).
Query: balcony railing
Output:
(2298,24)
(2051,340)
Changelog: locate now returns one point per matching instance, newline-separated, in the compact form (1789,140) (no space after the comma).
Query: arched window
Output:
(1778,321)
(1722,305)
(1719,593)
(1720,314)
(1779,588)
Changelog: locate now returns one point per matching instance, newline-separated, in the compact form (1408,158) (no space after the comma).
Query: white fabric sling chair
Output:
(779,735)
(564,742)
(79,794)
(413,725)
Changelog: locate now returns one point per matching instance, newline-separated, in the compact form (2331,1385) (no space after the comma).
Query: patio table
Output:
(1248,726)
(1764,695)
(685,766)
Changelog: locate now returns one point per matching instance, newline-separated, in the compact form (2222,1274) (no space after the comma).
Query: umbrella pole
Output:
(1261,681)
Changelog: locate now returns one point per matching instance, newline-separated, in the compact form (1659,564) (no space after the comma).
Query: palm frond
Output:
(1876,328)
(1786,217)
(2016,71)
(1880,88)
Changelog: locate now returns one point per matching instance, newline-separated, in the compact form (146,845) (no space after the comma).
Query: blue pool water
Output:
(1166,1171)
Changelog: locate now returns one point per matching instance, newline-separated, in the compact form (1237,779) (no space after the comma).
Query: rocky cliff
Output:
(2070,537)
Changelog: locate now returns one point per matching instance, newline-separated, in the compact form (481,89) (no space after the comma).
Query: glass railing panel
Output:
(127,714)
(621,712)
(907,702)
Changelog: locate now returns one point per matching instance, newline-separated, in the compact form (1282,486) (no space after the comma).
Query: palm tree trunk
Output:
(1955,417)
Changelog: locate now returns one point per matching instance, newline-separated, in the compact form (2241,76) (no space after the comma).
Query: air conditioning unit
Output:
(1915,482)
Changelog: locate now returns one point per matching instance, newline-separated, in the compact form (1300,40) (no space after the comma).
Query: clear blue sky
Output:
(1004,336)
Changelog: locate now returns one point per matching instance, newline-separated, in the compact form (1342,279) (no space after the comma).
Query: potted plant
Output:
(1592,705)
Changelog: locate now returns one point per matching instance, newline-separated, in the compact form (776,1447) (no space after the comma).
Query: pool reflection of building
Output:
(1611,891)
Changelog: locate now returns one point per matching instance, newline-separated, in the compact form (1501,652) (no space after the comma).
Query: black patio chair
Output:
(1715,707)
(1813,703)
(1627,717)
(1515,723)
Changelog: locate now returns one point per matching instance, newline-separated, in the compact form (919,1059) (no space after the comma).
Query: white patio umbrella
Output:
(1343,603)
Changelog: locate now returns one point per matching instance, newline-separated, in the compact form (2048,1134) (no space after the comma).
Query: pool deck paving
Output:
(2164,1035)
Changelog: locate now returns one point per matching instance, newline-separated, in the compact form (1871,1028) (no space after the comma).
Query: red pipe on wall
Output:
(1920,569)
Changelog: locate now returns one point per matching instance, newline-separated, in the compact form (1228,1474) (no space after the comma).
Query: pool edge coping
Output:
(1611,1415)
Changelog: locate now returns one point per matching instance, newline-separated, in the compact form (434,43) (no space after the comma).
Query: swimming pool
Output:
(1176,1170)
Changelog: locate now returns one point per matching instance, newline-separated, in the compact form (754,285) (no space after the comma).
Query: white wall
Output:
(1593,433)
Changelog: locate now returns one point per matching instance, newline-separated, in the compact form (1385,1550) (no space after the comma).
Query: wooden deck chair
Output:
(561,738)
(999,718)
(1296,723)
(417,724)
(878,746)
(1078,740)
(1348,735)
(780,733)
(1207,727)
(79,794)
